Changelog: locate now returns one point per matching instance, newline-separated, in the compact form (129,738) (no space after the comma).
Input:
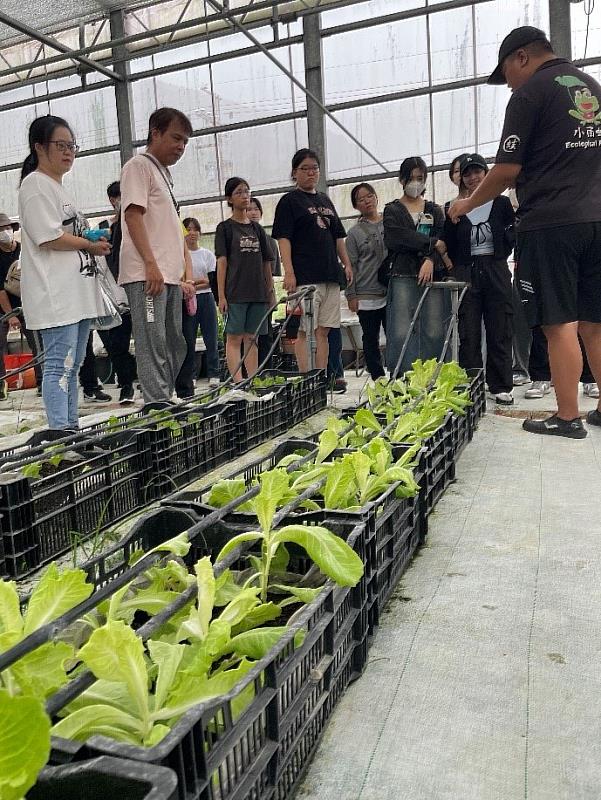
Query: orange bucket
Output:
(21,380)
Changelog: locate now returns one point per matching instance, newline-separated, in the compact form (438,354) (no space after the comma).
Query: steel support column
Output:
(123,99)
(560,27)
(316,120)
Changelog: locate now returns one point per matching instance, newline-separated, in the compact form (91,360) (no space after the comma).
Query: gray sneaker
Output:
(590,390)
(537,390)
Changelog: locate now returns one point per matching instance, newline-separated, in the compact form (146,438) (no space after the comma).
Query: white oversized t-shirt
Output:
(57,287)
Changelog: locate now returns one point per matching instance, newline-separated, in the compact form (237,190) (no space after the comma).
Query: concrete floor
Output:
(484,681)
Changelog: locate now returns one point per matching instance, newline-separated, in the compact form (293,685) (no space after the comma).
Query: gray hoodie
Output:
(366,251)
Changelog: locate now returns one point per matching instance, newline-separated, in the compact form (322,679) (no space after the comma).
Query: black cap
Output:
(519,37)
(473,160)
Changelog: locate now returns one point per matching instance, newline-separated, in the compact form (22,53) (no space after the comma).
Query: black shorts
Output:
(559,273)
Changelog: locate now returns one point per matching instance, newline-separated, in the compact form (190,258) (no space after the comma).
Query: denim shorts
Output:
(246,318)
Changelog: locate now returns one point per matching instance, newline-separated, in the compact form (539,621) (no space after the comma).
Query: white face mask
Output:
(7,237)
(414,188)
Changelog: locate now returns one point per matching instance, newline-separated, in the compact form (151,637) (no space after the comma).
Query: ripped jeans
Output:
(64,352)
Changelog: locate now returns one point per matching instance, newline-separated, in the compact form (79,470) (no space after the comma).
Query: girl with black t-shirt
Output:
(311,239)
(244,279)
(479,245)
(412,227)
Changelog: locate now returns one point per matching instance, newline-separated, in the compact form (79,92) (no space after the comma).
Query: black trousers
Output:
(370,322)
(488,299)
(116,341)
(538,365)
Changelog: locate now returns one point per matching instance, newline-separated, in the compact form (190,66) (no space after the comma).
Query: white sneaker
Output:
(519,379)
(504,398)
(590,389)
(537,390)
(214,383)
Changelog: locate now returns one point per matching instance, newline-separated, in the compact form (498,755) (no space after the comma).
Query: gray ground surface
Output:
(483,682)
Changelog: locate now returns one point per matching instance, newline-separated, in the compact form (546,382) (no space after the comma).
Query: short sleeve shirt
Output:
(58,287)
(311,224)
(144,184)
(246,249)
(203,262)
(553,129)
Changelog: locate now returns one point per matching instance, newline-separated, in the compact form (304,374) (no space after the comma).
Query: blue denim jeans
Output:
(429,332)
(206,317)
(64,352)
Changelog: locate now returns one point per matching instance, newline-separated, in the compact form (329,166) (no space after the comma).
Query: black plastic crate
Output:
(306,392)
(192,444)
(43,518)
(105,777)
(257,421)
(219,757)
(192,498)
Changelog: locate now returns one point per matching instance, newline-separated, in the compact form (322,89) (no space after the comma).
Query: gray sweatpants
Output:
(160,343)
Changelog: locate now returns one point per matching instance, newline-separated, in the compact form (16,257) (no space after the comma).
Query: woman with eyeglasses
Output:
(417,256)
(366,296)
(59,290)
(244,279)
(311,239)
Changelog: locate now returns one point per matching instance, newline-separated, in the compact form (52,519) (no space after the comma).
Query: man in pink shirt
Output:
(155,266)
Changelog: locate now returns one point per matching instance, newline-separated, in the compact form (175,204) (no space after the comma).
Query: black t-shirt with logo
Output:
(246,248)
(553,129)
(312,225)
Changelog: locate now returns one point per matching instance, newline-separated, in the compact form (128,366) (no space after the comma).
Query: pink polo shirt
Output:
(142,184)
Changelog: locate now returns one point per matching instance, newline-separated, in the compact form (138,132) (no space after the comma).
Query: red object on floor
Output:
(21,380)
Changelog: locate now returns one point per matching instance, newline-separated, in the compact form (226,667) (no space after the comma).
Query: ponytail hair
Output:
(40,132)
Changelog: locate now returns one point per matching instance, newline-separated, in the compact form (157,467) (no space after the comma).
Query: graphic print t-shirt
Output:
(246,248)
(312,225)
(553,129)
(57,287)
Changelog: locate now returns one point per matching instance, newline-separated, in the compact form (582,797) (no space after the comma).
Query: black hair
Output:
(257,202)
(40,132)
(300,155)
(356,189)
(192,221)
(162,118)
(460,158)
(476,161)
(408,165)
(114,189)
(231,185)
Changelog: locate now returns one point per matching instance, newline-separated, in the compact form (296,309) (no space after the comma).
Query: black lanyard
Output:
(167,181)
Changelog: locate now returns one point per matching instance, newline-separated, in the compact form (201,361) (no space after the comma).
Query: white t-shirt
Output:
(481,238)
(57,287)
(203,262)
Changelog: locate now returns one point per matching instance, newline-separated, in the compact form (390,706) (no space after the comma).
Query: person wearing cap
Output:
(479,245)
(550,150)
(10,250)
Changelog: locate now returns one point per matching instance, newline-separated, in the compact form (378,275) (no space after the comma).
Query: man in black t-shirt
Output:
(551,151)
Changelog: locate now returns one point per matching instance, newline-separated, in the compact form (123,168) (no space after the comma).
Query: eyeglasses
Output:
(308,169)
(64,146)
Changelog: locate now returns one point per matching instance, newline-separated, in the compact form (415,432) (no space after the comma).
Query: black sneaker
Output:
(126,395)
(554,426)
(339,386)
(594,417)
(97,396)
